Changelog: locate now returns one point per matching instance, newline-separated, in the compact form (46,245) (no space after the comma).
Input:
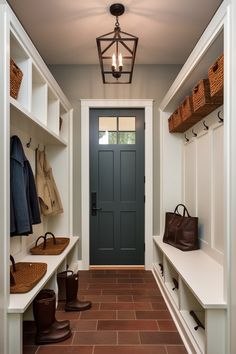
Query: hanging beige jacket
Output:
(49,198)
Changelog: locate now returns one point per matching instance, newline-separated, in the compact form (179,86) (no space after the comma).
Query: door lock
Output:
(94,208)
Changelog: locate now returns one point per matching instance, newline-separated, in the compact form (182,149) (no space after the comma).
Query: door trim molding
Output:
(147,105)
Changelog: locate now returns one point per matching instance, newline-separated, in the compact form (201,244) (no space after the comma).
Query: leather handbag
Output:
(181,230)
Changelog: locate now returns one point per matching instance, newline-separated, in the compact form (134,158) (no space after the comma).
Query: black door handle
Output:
(94,208)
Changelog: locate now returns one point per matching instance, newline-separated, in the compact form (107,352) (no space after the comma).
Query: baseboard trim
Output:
(116,267)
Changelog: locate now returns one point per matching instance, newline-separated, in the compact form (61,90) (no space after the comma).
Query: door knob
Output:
(94,208)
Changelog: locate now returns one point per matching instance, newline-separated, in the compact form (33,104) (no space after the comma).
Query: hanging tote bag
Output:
(181,230)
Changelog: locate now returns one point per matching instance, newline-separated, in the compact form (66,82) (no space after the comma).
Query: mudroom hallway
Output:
(128,316)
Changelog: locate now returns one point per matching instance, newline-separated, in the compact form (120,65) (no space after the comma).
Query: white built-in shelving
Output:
(194,172)
(41,115)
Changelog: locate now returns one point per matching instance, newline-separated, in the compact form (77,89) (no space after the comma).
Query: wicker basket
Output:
(171,124)
(16,76)
(189,117)
(203,103)
(216,77)
(25,275)
(52,246)
(177,120)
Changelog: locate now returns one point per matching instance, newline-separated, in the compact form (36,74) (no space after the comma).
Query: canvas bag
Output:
(181,230)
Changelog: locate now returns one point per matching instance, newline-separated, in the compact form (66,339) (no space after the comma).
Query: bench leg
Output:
(15,333)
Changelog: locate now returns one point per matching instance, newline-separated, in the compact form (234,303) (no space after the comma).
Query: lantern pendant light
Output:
(117,51)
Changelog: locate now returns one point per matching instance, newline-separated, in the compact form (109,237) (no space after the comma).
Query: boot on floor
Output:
(48,329)
(70,281)
(56,324)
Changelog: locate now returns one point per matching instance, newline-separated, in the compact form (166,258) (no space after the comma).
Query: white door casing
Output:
(147,105)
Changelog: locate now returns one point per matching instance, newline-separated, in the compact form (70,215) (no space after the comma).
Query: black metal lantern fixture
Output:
(116,51)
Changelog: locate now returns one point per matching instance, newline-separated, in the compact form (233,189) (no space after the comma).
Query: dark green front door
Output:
(116,186)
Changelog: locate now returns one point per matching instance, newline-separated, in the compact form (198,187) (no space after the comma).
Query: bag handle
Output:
(185,210)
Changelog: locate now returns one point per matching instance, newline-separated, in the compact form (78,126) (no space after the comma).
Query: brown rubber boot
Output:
(72,303)
(61,282)
(44,315)
(56,324)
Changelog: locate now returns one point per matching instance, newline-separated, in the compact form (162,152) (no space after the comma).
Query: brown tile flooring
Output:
(129,316)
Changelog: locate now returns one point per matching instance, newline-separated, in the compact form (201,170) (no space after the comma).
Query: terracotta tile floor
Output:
(129,316)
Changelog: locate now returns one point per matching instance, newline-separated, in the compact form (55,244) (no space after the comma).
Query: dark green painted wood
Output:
(117,176)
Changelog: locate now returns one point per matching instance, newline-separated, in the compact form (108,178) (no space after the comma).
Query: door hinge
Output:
(144,125)
(144,179)
(144,198)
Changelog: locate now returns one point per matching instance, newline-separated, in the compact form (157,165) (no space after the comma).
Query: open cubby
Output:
(190,308)
(39,96)
(53,112)
(22,60)
(171,281)
(63,123)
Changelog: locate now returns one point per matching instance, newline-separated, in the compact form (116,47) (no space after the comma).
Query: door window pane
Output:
(127,124)
(107,138)
(107,130)
(126,138)
(107,124)
(117,130)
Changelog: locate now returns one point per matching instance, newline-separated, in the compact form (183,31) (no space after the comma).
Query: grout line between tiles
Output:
(166,349)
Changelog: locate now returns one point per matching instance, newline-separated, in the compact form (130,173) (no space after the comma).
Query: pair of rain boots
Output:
(68,284)
(49,330)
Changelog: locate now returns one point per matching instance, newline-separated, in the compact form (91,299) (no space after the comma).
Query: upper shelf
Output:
(39,99)
(207,50)
(32,126)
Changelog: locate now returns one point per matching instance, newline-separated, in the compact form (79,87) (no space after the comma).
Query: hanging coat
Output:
(24,206)
(49,198)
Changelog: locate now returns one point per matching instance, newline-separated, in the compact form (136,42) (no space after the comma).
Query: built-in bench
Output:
(19,307)
(192,284)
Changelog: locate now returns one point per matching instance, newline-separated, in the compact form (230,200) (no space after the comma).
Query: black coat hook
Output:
(29,143)
(194,134)
(205,126)
(186,138)
(221,120)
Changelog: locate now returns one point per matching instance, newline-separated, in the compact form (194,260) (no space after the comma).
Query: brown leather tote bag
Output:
(181,230)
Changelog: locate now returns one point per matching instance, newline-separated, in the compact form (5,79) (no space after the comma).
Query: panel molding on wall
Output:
(203,187)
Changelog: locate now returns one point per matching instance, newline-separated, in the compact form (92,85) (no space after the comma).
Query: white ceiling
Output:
(64,31)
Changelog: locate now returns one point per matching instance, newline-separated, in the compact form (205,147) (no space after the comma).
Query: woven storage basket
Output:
(16,76)
(178,126)
(203,103)
(26,276)
(171,123)
(189,117)
(216,77)
(50,246)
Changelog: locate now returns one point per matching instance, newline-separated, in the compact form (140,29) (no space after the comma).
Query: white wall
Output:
(84,81)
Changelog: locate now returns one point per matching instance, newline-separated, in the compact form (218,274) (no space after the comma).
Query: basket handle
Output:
(215,67)
(185,102)
(45,238)
(13,263)
(36,243)
(195,90)
(12,279)
(175,112)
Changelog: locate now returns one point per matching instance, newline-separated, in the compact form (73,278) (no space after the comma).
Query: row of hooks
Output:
(28,145)
(220,120)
